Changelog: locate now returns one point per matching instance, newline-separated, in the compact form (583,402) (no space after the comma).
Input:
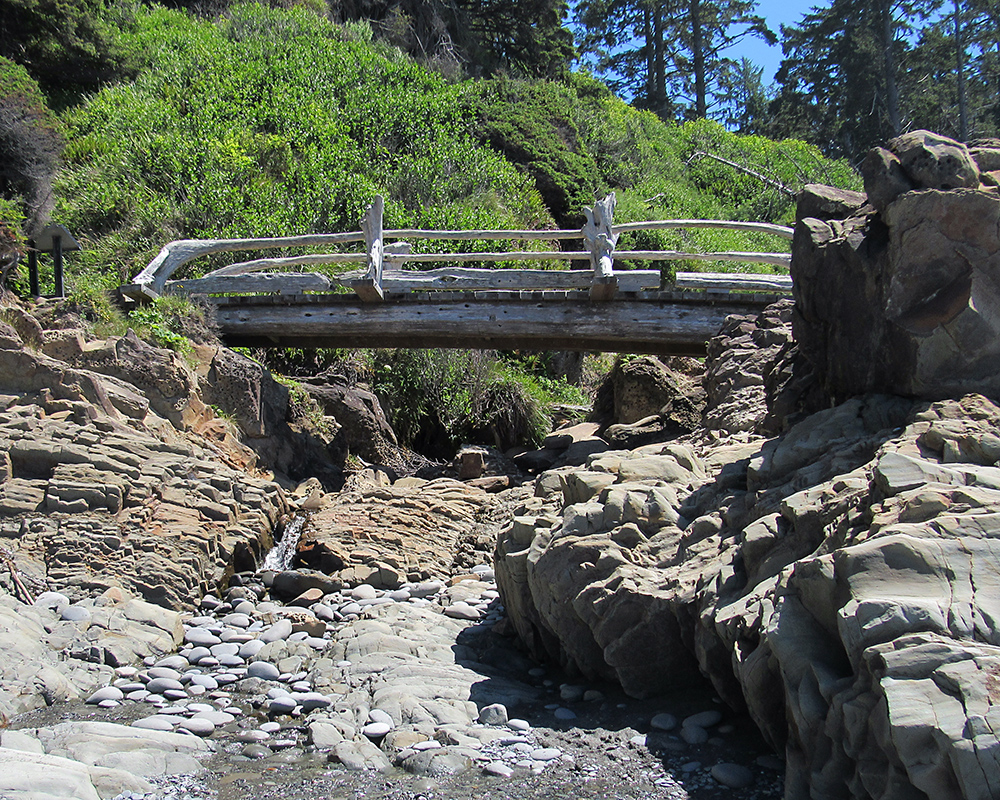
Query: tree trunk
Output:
(698,60)
(660,106)
(963,107)
(889,67)
(647,33)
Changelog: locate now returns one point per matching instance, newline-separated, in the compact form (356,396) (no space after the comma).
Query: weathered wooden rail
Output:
(385,305)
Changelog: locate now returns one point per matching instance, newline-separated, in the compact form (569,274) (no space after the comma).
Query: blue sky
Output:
(775,12)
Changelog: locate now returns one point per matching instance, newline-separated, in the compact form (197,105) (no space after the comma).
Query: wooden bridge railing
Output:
(382,263)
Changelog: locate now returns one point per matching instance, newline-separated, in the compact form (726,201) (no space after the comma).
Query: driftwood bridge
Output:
(260,303)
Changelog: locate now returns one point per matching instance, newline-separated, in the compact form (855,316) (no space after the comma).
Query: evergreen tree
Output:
(667,54)
(842,79)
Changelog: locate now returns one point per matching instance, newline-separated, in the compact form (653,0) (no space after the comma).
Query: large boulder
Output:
(364,430)
(905,302)
(647,399)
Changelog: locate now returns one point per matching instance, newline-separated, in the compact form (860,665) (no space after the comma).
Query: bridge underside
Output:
(661,325)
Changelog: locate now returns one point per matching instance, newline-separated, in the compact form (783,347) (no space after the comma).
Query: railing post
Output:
(57,265)
(32,269)
(601,240)
(369,288)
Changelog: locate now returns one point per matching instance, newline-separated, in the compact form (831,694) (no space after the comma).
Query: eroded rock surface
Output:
(386,535)
(851,562)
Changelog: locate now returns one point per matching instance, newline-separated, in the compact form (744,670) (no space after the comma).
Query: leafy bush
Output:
(271,122)
(439,399)
(68,47)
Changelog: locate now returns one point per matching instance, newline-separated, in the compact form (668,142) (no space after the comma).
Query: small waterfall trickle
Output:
(279,558)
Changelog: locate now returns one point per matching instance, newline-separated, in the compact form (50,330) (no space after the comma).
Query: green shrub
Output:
(437,400)
(270,122)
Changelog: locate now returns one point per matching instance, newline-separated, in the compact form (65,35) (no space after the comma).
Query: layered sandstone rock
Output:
(386,535)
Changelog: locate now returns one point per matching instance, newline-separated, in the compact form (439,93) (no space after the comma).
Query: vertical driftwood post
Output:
(369,288)
(601,240)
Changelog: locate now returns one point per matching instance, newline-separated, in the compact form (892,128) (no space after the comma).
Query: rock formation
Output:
(837,581)
(901,294)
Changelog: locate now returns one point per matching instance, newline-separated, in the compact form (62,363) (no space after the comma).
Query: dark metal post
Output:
(32,269)
(58,264)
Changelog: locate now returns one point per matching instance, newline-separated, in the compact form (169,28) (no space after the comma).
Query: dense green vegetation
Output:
(270,122)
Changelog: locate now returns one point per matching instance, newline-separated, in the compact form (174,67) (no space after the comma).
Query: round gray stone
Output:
(281,629)
(75,614)
(157,722)
(107,693)
(704,719)
(692,734)
(663,722)
(375,730)
(200,636)
(199,726)
(735,776)
(281,705)
(264,670)
(160,685)
(495,714)
(255,751)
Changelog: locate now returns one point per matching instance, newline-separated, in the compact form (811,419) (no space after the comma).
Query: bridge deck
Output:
(661,323)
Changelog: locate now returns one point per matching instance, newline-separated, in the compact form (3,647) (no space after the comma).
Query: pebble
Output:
(75,614)
(252,737)
(461,610)
(264,670)
(200,636)
(692,734)
(107,693)
(545,754)
(427,744)
(256,751)
(281,705)
(270,727)
(495,714)
(281,629)
(499,769)
(160,685)
(199,726)
(157,722)
(519,725)
(564,713)
(310,701)
(735,776)
(691,766)
(378,715)
(376,730)
(663,722)
(176,663)
(196,654)
(250,649)
(704,719)
(364,592)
